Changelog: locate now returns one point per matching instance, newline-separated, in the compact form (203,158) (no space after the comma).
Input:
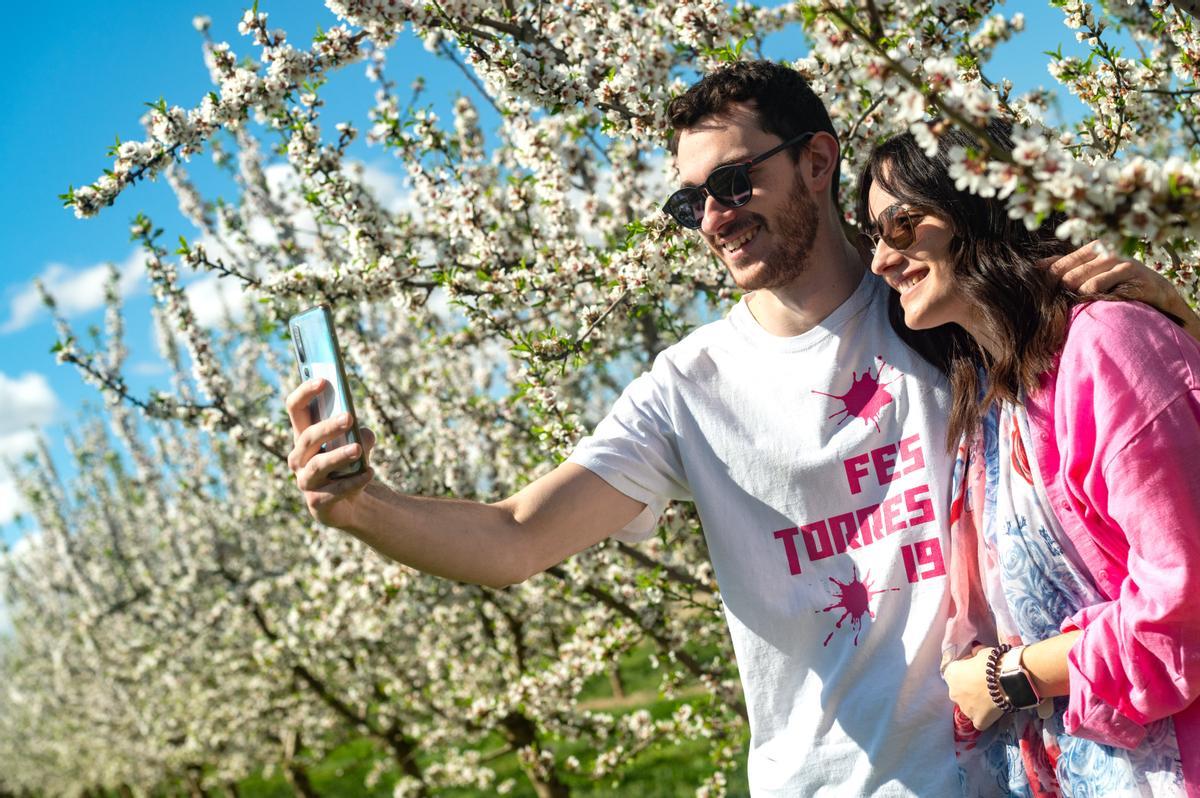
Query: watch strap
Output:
(1015,681)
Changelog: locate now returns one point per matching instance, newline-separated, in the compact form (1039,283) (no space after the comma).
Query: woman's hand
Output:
(968,688)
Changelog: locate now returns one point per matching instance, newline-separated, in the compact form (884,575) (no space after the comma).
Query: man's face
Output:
(766,242)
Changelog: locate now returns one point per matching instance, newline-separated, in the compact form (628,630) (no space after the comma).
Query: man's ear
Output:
(824,154)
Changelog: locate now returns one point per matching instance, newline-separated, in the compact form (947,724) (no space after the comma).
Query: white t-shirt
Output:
(819,469)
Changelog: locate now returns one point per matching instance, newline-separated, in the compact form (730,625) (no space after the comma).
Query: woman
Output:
(1075,535)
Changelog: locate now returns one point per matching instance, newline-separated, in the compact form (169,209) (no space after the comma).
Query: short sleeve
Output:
(635,449)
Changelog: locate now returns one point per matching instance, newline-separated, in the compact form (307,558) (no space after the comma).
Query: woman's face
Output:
(922,272)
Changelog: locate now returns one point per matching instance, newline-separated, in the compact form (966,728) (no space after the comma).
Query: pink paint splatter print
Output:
(854,599)
(866,397)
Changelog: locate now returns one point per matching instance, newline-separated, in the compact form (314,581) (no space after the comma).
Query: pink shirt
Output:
(1117,438)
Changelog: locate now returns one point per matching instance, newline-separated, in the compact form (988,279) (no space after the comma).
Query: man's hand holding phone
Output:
(329,499)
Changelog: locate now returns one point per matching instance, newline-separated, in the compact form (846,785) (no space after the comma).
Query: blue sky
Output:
(87,82)
(81,87)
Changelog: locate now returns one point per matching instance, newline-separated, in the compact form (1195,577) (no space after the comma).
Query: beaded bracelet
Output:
(992,678)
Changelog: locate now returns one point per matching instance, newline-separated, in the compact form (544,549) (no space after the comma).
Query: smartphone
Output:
(315,346)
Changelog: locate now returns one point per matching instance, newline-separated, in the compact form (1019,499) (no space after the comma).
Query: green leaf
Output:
(1175,189)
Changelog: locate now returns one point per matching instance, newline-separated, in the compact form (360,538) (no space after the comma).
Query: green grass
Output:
(662,771)
(342,773)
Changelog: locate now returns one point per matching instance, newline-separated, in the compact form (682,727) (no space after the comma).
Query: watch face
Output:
(1018,689)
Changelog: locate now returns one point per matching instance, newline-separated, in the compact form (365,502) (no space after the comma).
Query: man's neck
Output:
(834,270)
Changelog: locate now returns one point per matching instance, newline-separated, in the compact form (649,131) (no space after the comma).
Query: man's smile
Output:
(733,244)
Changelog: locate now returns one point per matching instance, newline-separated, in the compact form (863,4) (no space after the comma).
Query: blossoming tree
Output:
(178,619)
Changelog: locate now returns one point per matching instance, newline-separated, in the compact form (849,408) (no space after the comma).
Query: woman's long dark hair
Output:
(1019,303)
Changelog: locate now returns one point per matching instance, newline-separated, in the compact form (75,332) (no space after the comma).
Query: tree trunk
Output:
(195,785)
(402,748)
(405,753)
(614,681)
(521,733)
(294,772)
(297,778)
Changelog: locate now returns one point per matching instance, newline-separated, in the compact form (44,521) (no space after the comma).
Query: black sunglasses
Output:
(728,185)
(896,226)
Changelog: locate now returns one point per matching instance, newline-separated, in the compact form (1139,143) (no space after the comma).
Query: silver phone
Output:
(314,343)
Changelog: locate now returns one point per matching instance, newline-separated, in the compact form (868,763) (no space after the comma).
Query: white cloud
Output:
(386,187)
(27,400)
(81,290)
(281,179)
(284,185)
(76,291)
(211,296)
(17,550)
(29,403)
(146,368)
(6,628)
(12,503)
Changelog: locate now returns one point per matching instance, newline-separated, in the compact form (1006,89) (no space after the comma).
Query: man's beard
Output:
(795,231)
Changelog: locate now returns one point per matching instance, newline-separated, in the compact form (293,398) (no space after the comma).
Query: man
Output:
(810,438)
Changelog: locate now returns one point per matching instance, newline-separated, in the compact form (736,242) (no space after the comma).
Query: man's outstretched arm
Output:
(497,544)
(1092,269)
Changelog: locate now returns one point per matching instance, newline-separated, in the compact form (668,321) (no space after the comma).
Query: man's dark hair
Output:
(784,102)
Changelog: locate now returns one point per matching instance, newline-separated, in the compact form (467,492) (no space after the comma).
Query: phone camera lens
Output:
(299,339)
(307,373)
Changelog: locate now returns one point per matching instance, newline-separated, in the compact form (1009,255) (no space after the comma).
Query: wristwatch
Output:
(1016,682)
